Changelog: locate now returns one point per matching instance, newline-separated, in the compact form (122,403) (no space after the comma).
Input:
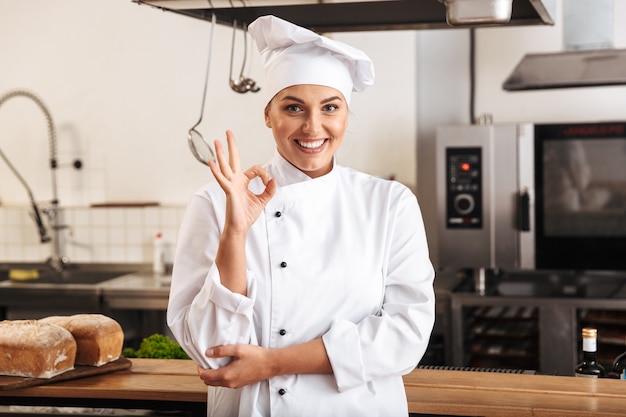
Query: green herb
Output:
(156,346)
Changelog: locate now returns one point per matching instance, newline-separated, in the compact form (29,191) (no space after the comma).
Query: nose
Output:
(311,124)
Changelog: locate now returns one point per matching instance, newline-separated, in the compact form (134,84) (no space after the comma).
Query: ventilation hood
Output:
(593,68)
(366,15)
(588,58)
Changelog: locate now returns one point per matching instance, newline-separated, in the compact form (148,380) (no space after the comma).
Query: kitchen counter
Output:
(174,385)
(150,384)
(138,290)
(141,290)
(459,393)
(131,294)
(115,278)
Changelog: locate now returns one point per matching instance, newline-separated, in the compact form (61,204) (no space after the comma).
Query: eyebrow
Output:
(326,100)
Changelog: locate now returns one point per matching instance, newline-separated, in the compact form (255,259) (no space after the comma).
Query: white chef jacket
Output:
(343,256)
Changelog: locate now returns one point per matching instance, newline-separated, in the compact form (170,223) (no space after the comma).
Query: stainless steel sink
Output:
(84,274)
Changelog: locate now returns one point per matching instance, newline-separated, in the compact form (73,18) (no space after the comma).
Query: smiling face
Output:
(308,122)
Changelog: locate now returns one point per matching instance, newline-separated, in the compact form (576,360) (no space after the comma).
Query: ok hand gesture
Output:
(243,207)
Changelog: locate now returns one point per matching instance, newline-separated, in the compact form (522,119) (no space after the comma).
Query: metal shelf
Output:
(346,16)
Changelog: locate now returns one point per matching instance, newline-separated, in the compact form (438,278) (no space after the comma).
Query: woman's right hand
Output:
(243,207)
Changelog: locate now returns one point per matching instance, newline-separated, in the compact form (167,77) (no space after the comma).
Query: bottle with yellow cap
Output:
(589,367)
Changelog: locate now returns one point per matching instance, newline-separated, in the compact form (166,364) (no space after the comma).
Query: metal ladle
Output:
(199,147)
(244,84)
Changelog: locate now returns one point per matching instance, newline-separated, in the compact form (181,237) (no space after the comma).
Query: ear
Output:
(268,123)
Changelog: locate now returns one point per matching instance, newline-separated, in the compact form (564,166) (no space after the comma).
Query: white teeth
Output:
(311,145)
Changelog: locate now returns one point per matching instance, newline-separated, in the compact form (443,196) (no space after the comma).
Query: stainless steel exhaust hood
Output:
(364,15)
(593,68)
(588,59)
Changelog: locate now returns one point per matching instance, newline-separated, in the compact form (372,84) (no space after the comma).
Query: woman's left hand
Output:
(248,365)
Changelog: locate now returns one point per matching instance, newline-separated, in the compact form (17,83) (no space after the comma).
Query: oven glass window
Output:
(584,183)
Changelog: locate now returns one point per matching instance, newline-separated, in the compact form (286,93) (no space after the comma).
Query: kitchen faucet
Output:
(57,261)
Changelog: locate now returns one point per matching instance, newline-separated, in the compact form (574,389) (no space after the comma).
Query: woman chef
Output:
(302,287)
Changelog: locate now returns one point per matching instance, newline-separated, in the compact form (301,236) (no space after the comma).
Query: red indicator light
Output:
(465,166)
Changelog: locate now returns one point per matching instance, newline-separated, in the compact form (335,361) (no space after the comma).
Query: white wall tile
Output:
(152,216)
(99,217)
(115,235)
(116,217)
(80,217)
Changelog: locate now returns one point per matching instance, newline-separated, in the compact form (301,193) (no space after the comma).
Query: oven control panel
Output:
(464,188)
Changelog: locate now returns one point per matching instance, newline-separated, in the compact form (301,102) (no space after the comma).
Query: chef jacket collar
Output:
(287,174)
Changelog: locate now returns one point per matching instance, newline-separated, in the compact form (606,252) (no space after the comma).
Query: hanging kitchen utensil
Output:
(244,84)
(199,147)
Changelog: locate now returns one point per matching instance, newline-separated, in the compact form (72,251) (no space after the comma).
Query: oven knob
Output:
(464,203)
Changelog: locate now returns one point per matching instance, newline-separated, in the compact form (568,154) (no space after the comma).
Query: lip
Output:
(312,150)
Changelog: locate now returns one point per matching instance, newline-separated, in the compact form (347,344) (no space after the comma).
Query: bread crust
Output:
(29,348)
(99,338)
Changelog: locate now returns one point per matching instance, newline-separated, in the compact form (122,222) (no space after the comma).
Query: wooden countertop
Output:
(174,384)
(147,379)
(152,384)
(462,393)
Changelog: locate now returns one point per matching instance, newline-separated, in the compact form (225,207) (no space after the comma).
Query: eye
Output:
(293,108)
(330,107)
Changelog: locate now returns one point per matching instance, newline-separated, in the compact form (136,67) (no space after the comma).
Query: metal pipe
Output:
(56,261)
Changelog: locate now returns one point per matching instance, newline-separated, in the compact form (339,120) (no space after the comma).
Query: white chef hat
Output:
(294,55)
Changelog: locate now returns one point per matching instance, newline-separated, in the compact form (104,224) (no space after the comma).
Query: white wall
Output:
(123,83)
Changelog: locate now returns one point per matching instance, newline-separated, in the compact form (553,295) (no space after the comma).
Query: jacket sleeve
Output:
(201,312)
(392,342)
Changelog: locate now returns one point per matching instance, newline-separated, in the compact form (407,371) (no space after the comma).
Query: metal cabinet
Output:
(529,332)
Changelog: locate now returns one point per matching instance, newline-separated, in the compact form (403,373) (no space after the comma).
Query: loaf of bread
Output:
(29,348)
(99,338)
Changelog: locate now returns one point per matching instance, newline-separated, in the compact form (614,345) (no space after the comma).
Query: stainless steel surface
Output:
(463,12)
(557,325)
(72,273)
(604,285)
(601,67)
(139,303)
(77,290)
(198,146)
(53,163)
(479,281)
(587,58)
(243,84)
(559,298)
(21,301)
(143,291)
(588,24)
(129,293)
(526,181)
(57,260)
(73,277)
(497,243)
(344,15)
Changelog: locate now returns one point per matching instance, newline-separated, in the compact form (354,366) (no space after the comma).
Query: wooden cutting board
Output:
(80,371)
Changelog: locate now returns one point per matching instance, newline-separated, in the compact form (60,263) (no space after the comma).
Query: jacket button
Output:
(283,264)
(278,214)
(282,391)
(282,332)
